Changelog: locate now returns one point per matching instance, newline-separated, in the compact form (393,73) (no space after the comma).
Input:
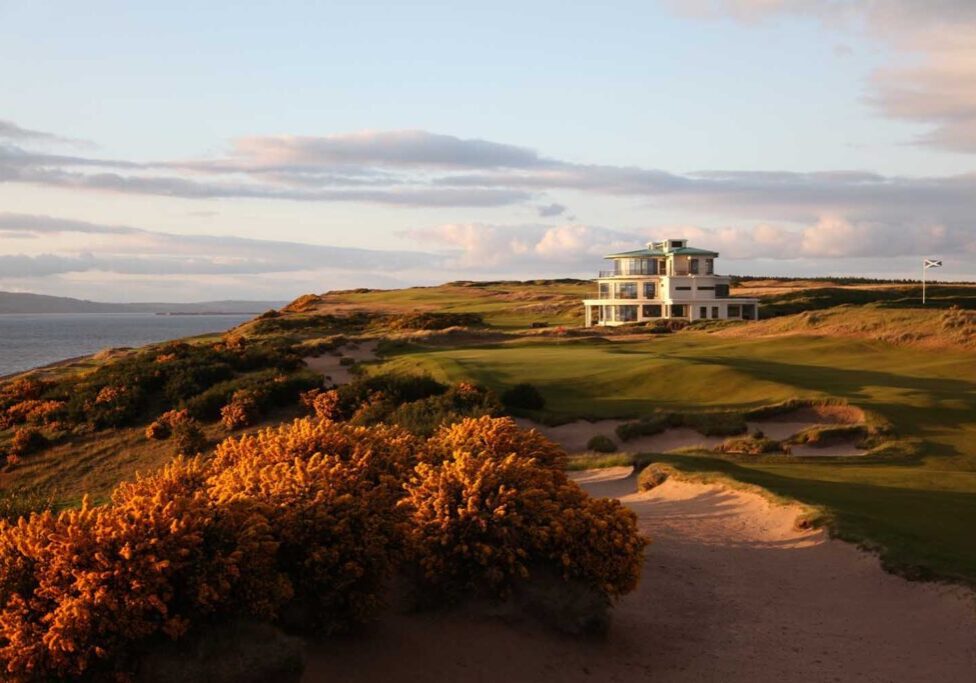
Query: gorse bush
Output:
(523,397)
(601,444)
(484,517)
(316,514)
(416,402)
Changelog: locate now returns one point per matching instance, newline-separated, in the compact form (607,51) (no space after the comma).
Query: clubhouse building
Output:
(667,280)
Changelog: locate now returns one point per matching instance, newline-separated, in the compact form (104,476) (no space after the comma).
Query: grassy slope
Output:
(504,305)
(922,512)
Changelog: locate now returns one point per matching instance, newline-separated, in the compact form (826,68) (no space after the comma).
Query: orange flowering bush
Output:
(314,513)
(27,440)
(494,506)
(242,410)
(493,437)
(82,585)
(331,491)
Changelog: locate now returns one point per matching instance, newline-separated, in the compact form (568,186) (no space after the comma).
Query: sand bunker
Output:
(575,436)
(330,366)
(731,592)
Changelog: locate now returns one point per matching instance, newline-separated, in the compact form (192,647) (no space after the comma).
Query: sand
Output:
(731,592)
(329,366)
(574,436)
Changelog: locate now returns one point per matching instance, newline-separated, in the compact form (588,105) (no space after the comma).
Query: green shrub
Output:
(523,397)
(601,444)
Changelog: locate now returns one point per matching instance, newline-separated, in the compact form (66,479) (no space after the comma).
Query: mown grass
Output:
(920,510)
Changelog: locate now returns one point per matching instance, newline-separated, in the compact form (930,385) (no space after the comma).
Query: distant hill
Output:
(22,302)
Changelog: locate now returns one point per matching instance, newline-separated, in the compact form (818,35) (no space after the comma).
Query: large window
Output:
(715,311)
(693,266)
(735,311)
(677,310)
(703,312)
(651,311)
(650,290)
(635,266)
(626,290)
(605,290)
(626,314)
(709,266)
(721,291)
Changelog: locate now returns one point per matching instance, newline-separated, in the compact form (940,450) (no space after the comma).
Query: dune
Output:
(732,591)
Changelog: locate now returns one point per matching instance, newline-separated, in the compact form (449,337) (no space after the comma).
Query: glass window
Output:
(650,290)
(721,290)
(683,289)
(605,290)
(706,288)
(709,266)
(702,311)
(627,290)
(651,311)
(735,311)
(626,314)
(677,310)
(693,266)
(715,311)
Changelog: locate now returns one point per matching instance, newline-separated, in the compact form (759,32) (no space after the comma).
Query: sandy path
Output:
(731,592)
(329,366)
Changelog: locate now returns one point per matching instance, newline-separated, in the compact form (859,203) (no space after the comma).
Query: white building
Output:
(668,279)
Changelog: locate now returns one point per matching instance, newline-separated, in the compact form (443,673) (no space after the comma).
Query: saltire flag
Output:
(933,263)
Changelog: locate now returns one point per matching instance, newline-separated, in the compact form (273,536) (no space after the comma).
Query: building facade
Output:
(667,280)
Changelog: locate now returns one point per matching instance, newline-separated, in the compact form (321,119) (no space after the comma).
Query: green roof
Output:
(680,251)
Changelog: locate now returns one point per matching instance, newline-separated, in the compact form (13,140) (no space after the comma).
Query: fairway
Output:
(919,510)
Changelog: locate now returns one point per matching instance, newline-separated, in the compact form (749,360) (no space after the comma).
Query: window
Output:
(651,310)
(677,244)
(735,311)
(677,310)
(693,266)
(627,290)
(703,312)
(721,291)
(605,290)
(650,290)
(706,288)
(709,266)
(626,314)
(715,311)
(683,289)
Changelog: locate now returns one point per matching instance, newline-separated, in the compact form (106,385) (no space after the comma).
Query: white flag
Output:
(933,263)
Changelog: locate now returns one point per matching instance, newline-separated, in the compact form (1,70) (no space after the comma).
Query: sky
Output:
(186,151)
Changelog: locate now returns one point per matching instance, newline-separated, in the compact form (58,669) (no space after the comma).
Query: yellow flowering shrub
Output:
(242,410)
(494,437)
(312,513)
(82,585)
(493,508)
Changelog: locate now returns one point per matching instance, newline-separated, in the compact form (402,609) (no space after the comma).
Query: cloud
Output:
(408,148)
(938,85)
(526,249)
(135,251)
(422,170)
(551,210)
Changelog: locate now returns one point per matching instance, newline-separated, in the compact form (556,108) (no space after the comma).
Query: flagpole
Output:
(923,281)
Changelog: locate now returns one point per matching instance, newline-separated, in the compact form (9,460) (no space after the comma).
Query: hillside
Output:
(867,353)
(24,302)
